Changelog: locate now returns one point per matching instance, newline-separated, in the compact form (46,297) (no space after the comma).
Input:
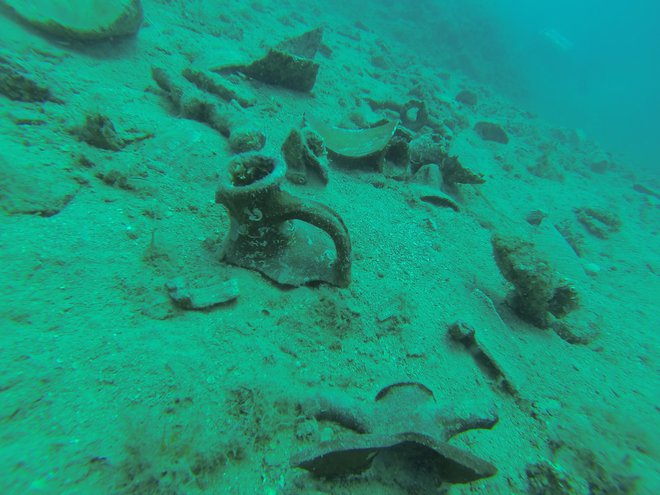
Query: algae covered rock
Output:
(80,20)
(539,295)
(453,172)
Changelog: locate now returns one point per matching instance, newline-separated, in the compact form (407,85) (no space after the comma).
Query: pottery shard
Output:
(453,172)
(188,297)
(288,64)
(81,20)
(353,143)
(304,151)
(306,45)
(283,69)
(491,132)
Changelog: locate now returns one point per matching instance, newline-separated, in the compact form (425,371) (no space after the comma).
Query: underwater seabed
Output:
(308,262)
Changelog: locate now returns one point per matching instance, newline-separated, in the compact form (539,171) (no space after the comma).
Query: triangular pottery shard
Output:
(80,19)
(306,45)
(288,64)
(353,143)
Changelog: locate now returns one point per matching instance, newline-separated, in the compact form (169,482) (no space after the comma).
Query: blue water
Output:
(605,82)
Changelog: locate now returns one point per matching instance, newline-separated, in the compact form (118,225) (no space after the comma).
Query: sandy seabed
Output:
(106,386)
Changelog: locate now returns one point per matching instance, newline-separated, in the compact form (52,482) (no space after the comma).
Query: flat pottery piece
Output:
(353,143)
(80,19)
(504,348)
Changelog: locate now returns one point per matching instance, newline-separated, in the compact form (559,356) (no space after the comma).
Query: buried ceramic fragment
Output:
(305,45)
(426,186)
(304,151)
(405,431)
(353,143)
(263,235)
(434,197)
(80,19)
(598,221)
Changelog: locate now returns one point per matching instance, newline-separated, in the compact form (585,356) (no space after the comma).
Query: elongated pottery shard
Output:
(80,19)
(353,143)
